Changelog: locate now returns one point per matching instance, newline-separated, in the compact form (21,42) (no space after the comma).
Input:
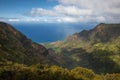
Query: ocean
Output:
(50,32)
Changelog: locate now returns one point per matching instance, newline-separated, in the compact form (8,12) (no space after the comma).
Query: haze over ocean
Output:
(50,32)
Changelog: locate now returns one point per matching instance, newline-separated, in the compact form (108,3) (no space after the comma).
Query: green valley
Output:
(88,55)
(97,49)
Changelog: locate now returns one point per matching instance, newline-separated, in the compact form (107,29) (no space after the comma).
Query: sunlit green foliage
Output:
(86,74)
(91,54)
(112,76)
(14,71)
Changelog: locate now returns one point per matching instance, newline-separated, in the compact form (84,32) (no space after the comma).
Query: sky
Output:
(60,11)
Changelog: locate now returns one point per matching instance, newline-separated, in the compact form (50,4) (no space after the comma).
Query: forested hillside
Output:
(88,55)
(97,49)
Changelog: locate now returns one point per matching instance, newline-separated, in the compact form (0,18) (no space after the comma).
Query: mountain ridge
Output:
(87,49)
(99,32)
(95,48)
(16,47)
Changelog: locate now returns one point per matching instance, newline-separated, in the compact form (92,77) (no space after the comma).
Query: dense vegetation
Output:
(14,71)
(97,49)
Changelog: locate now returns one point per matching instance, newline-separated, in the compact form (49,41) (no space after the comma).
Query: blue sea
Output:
(50,32)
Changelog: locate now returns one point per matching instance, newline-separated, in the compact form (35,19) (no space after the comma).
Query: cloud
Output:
(42,12)
(94,4)
(20,19)
(65,13)
(9,19)
(81,11)
(62,13)
(108,9)
(14,20)
(72,11)
(60,10)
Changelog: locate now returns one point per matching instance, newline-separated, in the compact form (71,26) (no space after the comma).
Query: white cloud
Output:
(81,11)
(60,10)
(42,12)
(76,11)
(72,10)
(100,19)
(94,4)
(9,19)
(13,20)
(21,19)
(66,19)
(62,13)
(108,9)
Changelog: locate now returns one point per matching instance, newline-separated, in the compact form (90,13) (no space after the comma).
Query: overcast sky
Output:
(60,11)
